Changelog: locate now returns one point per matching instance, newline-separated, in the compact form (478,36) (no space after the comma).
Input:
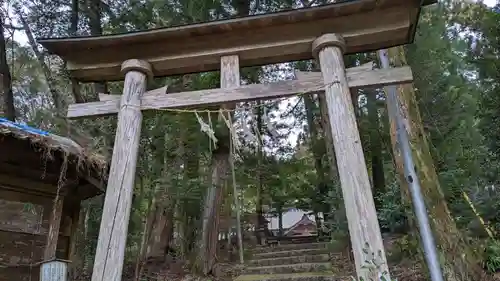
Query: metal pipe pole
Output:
(403,143)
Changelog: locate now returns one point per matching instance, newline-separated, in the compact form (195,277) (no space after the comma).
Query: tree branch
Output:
(10,26)
(41,60)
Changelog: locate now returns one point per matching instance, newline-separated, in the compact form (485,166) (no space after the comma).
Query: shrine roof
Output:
(366,25)
(25,149)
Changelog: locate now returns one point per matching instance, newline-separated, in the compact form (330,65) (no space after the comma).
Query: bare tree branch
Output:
(51,83)
(6,94)
(10,26)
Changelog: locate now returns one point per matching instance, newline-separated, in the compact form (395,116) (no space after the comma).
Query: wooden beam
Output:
(370,38)
(27,172)
(25,154)
(230,78)
(54,225)
(110,252)
(11,194)
(113,97)
(75,220)
(97,183)
(257,40)
(105,97)
(307,83)
(33,181)
(26,185)
(364,229)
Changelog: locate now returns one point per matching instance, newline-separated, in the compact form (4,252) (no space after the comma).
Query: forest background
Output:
(455,61)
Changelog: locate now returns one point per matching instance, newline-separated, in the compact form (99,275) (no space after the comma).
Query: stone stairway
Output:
(292,262)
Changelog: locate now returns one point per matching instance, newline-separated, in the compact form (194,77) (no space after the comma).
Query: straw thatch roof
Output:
(23,143)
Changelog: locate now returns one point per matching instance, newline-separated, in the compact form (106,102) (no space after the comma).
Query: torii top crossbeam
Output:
(366,25)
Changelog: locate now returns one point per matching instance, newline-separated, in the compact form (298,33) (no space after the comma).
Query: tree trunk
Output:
(213,201)
(51,83)
(161,174)
(168,230)
(355,102)
(318,153)
(190,209)
(94,14)
(145,233)
(260,190)
(161,230)
(339,219)
(165,170)
(73,28)
(230,77)
(319,226)
(280,220)
(153,234)
(73,31)
(229,222)
(183,231)
(378,177)
(459,260)
(7,103)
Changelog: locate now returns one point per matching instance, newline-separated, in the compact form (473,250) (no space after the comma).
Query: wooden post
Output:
(110,252)
(230,78)
(50,269)
(73,237)
(360,207)
(54,225)
(75,220)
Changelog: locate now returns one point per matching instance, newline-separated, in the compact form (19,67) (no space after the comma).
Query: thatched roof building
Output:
(43,179)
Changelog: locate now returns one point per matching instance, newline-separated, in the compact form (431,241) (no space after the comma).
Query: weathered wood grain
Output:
(230,78)
(75,219)
(257,40)
(54,225)
(18,216)
(110,252)
(358,199)
(44,179)
(308,82)
(24,249)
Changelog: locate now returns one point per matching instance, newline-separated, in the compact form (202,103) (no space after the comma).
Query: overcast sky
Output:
(490,3)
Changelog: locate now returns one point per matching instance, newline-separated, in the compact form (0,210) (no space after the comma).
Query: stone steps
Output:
(290,247)
(290,268)
(289,253)
(308,276)
(318,258)
(290,262)
(295,240)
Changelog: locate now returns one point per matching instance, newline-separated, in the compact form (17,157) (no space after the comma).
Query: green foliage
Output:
(407,246)
(458,91)
(392,213)
(492,256)
(374,262)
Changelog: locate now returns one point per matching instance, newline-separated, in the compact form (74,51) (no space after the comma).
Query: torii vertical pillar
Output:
(110,252)
(364,229)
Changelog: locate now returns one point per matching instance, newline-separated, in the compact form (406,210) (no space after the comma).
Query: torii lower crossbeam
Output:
(307,82)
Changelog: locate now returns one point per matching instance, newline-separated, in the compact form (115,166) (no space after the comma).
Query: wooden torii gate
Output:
(324,32)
